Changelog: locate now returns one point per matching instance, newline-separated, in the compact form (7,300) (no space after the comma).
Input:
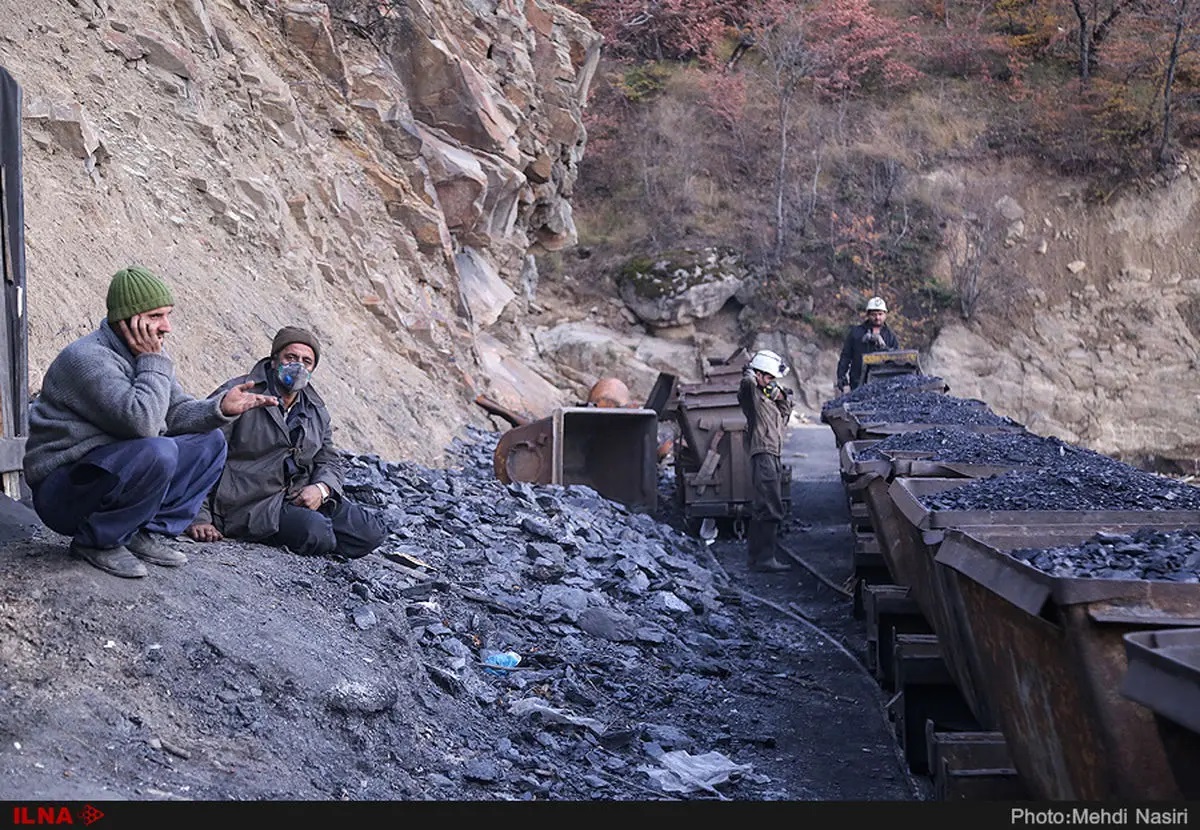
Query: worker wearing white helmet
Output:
(871,335)
(767,406)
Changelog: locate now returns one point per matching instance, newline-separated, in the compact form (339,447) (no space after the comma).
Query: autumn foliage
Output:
(791,128)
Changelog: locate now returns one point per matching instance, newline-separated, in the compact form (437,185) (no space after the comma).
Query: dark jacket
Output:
(766,417)
(849,368)
(263,466)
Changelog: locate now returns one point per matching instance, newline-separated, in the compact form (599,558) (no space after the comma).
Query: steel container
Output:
(1046,655)
(1163,675)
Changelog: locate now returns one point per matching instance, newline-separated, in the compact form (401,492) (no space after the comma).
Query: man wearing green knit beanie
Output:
(118,456)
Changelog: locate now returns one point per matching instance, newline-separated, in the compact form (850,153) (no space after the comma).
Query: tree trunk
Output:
(1085,41)
(1169,85)
(781,179)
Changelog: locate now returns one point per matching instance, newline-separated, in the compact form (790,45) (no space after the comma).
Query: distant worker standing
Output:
(871,335)
(767,406)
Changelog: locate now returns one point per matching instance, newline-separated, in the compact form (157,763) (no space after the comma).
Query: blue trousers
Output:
(114,491)
(337,527)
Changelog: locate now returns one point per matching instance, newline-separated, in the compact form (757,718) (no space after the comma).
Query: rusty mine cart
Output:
(712,469)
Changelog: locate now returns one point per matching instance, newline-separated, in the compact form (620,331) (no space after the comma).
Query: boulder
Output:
(680,287)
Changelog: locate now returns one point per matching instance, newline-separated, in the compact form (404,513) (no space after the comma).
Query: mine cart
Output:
(712,469)
(869,480)
(613,451)
(836,413)
(1049,656)
(1163,675)
(876,365)
(920,532)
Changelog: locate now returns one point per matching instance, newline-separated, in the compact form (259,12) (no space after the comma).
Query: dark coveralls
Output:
(858,343)
(767,416)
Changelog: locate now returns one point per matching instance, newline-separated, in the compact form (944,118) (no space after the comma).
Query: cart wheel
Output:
(739,529)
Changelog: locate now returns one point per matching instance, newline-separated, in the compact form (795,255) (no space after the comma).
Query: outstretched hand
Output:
(239,399)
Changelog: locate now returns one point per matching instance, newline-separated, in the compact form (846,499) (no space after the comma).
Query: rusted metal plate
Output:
(1047,654)
(1163,675)
(897,542)
(526,453)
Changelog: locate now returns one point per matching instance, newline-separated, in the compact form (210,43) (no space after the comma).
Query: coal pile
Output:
(616,622)
(885,385)
(933,408)
(1011,449)
(1084,481)
(1147,553)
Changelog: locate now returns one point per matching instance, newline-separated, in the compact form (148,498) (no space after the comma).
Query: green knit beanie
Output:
(134,290)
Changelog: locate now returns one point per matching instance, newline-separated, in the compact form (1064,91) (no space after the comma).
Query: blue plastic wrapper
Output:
(501,660)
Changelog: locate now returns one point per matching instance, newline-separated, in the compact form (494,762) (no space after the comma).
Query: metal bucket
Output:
(613,451)
(1163,675)
(1048,655)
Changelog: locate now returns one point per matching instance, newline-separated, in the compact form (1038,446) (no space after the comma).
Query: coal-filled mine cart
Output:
(1042,613)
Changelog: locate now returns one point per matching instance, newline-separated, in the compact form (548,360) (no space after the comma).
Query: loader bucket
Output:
(613,451)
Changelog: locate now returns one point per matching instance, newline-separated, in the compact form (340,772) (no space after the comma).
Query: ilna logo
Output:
(40,814)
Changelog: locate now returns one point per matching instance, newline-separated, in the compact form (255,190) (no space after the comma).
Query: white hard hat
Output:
(876,304)
(769,362)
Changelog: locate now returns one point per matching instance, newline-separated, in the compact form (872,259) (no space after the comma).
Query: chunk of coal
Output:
(1147,553)
(1080,482)
(1012,449)
(884,385)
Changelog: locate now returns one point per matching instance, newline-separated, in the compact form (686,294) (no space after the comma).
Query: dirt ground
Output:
(249,675)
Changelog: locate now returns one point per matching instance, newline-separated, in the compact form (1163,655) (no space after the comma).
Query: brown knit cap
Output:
(291,334)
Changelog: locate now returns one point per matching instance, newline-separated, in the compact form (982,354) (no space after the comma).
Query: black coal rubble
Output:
(1146,553)
(923,407)
(611,614)
(1015,449)
(1082,481)
(885,385)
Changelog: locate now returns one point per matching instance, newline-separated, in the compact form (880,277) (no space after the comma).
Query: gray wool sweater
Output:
(96,392)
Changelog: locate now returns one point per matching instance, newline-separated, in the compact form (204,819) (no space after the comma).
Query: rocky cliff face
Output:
(386,173)
(380,173)
(1102,347)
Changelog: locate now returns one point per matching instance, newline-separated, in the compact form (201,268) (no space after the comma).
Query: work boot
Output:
(150,548)
(770,566)
(117,561)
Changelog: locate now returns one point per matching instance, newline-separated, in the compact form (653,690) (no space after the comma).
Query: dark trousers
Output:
(337,527)
(766,506)
(159,484)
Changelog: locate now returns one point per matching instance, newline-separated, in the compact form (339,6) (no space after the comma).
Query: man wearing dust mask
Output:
(283,477)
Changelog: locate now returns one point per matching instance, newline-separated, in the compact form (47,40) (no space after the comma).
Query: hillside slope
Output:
(277,168)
